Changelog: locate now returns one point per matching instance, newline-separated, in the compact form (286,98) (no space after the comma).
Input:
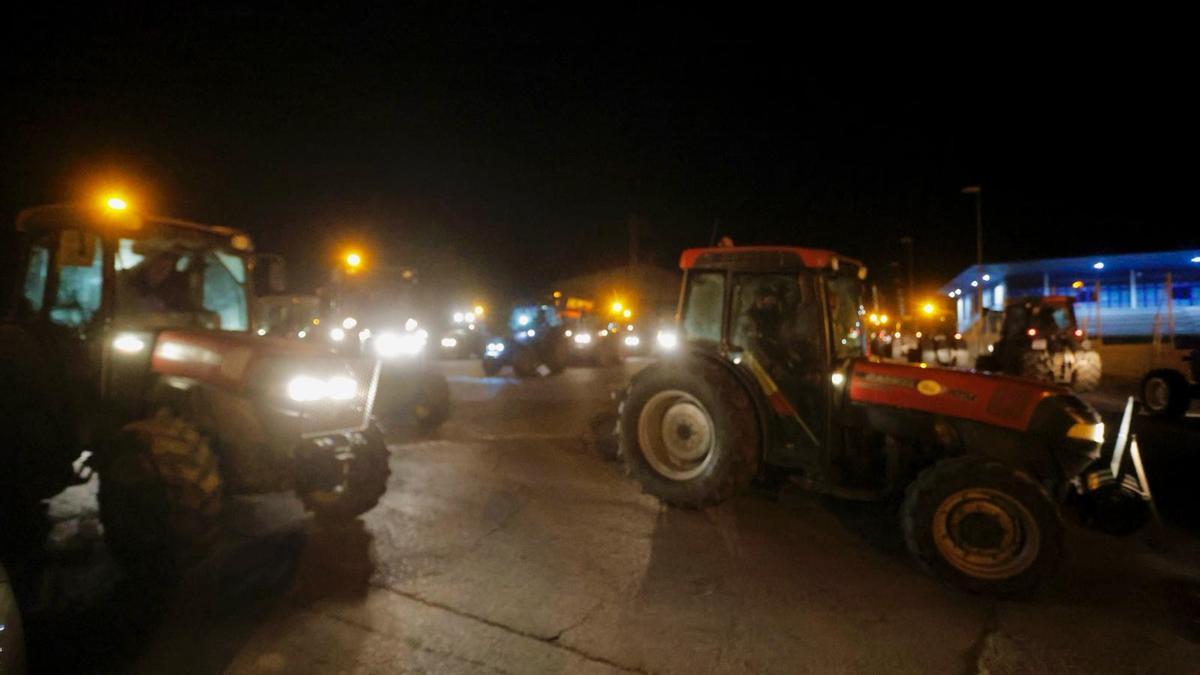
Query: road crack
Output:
(552,640)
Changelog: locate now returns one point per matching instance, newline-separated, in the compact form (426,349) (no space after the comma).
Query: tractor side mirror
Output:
(274,268)
(277,275)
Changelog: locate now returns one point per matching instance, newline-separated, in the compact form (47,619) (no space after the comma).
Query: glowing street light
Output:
(928,308)
(116,203)
(354,260)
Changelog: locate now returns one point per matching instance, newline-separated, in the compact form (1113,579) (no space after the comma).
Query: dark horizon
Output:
(528,156)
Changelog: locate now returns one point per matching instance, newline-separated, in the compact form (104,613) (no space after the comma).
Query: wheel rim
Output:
(1157,394)
(676,435)
(986,533)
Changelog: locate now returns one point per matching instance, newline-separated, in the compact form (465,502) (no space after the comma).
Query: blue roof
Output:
(1185,260)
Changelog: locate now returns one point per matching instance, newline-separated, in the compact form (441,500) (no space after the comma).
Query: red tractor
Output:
(772,375)
(129,337)
(1040,339)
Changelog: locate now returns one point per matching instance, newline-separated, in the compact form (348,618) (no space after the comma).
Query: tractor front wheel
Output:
(688,433)
(982,526)
(364,480)
(160,496)
(1165,393)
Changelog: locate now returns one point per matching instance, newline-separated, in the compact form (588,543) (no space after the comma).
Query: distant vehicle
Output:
(594,341)
(1039,338)
(12,637)
(371,311)
(771,376)
(465,336)
(1169,389)
(929,337)
(534,338)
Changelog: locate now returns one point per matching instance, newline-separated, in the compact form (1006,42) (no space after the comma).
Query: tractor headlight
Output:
(632,341)
(391,345)
(307,389)
(349,323)
(582,339)
(667,340)
(337,334)
(494,349)
(129,343)
(449,342)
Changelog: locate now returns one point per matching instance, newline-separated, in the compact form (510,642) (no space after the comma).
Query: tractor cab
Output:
(96,286)
(790,320)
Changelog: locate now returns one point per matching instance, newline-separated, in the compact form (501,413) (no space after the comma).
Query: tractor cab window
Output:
(79,266)
(34,295)
(173,281)
(844,295)
(1014,324)
(777,317)
(1051,319)
(703,306)
(224,290)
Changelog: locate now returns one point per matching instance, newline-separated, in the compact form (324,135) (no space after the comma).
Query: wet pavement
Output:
(510,544)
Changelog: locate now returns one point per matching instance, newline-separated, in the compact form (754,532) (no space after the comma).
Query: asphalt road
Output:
(511,545)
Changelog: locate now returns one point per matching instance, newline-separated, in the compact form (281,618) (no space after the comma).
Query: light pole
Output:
(978,192)
(907,243)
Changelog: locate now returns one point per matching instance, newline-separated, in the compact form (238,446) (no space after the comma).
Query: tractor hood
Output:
(224,358)
(992,399)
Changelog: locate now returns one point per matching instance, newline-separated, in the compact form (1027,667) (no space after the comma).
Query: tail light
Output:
(1032,332)
(1079,332)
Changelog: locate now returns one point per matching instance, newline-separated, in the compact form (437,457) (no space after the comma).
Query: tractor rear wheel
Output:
(364,482)
(1037,365)
(1165,393)
(1087,370)
(557,355)
(525,362)
(160,496)
(982,526)
(689,433)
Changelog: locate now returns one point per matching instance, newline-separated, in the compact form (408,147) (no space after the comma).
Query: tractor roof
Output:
(762,258)
(58,216)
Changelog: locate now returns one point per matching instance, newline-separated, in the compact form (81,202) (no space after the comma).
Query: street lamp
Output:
(977,190)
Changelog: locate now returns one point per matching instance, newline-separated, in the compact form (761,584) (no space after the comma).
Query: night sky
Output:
(526,141)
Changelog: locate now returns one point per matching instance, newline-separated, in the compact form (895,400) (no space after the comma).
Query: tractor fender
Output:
(253,443)
(743,378)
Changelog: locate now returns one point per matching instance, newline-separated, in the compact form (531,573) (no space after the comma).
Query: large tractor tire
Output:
(982,526)
(364,482)
(160,496)
(557,355)
(431,408)
(525,362)
(1165,393)
(1087,371)
(1038,365)
(688,432)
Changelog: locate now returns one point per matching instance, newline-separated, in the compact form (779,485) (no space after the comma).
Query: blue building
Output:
(1130,296)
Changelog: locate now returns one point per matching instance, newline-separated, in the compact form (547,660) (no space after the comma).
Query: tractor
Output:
(534,340)
(771,378)
(127,349)
(1039,339)
(372,313)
